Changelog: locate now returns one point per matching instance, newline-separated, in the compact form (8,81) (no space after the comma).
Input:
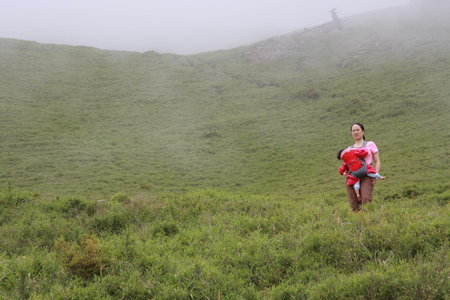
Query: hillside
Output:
(84,120)
(134,176)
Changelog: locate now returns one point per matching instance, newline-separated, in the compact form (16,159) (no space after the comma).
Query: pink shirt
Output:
(371,149)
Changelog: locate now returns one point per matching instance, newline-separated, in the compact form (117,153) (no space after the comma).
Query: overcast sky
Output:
(175,26)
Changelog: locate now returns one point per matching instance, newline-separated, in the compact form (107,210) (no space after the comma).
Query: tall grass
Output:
(208,242)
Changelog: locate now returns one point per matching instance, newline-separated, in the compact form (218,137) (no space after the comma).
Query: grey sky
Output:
(176,26)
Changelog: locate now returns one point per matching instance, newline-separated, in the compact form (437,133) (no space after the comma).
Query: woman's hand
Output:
(345,174)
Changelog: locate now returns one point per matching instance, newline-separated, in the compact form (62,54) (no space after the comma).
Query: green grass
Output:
(199,244)
(177,177)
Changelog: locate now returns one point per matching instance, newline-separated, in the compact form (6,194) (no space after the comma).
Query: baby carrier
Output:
(357,165)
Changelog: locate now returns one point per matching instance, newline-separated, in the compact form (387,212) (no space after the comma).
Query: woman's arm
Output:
(376,161)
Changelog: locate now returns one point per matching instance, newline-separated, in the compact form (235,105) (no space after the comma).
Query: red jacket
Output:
(351,162)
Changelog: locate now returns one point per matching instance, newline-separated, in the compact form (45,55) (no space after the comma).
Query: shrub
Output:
(120,197)
(84,259)
(441,199)
(29,274)
(397,281)
(334,248)
(13,198)
(33,230)
(165,229)
(410,192)
(111,221)
(307,94)
(73,206)
(289,291)
(127,286)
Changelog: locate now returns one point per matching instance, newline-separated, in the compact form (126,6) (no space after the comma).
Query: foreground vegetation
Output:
(208,243)
(214,175)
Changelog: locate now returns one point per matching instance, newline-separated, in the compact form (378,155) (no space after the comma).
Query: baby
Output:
(354,165)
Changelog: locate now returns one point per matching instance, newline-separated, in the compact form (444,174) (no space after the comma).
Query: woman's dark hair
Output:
(339,154)
(362,128)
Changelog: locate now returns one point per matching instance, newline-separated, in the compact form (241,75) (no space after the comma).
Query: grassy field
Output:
(208,243)
(144,175)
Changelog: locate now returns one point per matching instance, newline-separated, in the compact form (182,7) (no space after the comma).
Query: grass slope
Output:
(81,120)
(230,158)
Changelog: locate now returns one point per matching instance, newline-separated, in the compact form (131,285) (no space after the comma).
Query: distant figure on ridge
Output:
(336,21)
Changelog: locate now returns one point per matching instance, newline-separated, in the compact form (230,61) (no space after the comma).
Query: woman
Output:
(366,182)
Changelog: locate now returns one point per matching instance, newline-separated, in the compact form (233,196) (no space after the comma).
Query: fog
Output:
(175,26)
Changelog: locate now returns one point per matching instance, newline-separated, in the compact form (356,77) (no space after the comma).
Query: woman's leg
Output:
(355,204)
(367,184)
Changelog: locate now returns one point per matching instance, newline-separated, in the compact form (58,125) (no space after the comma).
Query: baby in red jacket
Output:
(354,165)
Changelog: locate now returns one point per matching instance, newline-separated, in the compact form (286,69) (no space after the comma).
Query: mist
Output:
(176,26)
